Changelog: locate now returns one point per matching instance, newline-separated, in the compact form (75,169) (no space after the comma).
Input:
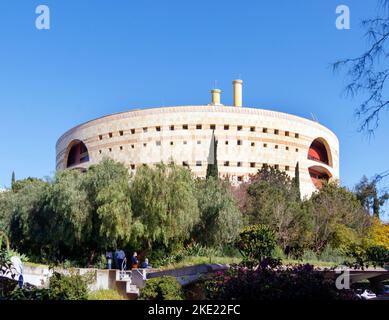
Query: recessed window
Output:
(264,130)
(132,146)
(276,131)
(110,135)
(226,163)
(226,142)
(133,167)
(110,149)
(198,163)
(100,151)
(121,133)
(171,143)
(252,164)
(297,135)
(184,126)
(252,129)
(287,148)
(144,130)
(212,127)
(265,145)
(145,144)
(253,144)
(297,150)
(132,131)
(199,126)
(226,127)
(171,128)
(239,142)
(158,128)
(276,166)
(185,142)
(239,164)
(240,178)
(100,137)
(185,163)
(287,133)
(198,142)
(287,168)
(264,165)
(158,143)
(276,146)
(239,128)
(121,148)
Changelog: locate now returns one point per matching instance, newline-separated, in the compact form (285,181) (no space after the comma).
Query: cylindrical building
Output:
(247,139)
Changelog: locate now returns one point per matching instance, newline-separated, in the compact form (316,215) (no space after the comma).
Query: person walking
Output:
(121,256)
(108,257)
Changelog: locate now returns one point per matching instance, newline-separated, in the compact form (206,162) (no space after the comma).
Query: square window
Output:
(100,151)
(121,133)
(185,142)
(239,128)
(253,144)
(132,146)
(100,137)
(158,143)
(297,150)
(239,142)
(276,146)
(185,163)
(145,144)
(184,126)
(121,148)
(198,164)
(110,135)
(287,168)
(198,142)
(252,164)
(226,127)
(171,128)
(239,164)
(265,145)
(240,178)
(264,130)
(226,142)
(133,167)
(199,126)
(252,129)
(132,131)
(212,127)
(171,143)
(276,131)
(226,163)
(297,135)
(287,133)
(158,128)
(110,149)
(276,166)
(287,148)
(145,130)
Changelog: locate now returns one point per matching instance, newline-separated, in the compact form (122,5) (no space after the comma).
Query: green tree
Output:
(212,168)
(220,218)
(13,179)
(164,204)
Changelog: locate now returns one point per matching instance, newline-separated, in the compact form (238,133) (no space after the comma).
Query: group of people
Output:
(121,261)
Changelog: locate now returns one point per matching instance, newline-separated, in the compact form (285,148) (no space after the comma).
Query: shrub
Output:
(256,243)
(165,288)
(68,287)
(378,255)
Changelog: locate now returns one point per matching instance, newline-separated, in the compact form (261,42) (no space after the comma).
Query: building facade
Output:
(247,138)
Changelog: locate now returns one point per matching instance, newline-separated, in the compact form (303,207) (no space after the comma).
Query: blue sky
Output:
(101,57)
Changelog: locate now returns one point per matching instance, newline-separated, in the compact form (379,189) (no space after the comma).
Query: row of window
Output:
(200,127)
(226,164)
(239,143)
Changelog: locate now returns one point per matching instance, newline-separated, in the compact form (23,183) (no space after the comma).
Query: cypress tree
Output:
(13,180)
(296,180)
(212,169)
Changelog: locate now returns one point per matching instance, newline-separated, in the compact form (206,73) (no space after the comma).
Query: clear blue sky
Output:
(107,56)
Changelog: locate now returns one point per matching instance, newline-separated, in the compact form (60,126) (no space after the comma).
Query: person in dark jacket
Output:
(134,261)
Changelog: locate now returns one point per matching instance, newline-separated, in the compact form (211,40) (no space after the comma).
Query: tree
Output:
(13,179)
(331,207)
(273,199)
(164,205)
(212,169)
(368,194)
(220,218)
(369,72)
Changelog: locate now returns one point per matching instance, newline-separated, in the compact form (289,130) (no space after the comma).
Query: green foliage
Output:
(165,288)
(220,218)
(68,287)
(164,205)
(378,255)
(212,168)
(105,295)
(256,243)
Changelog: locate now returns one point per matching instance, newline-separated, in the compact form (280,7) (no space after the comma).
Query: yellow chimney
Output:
(238,84)
(216,97)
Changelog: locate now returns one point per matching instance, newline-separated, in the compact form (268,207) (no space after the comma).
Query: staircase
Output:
(129,283)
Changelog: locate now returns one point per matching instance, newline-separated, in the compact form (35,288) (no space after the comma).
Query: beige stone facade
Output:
(247,139)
